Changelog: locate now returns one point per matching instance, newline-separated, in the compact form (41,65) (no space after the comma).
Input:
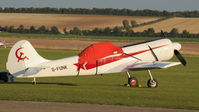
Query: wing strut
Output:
(152,52)
(96,67)
(132,56)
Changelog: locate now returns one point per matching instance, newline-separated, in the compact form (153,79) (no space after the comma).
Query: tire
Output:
(33,83)
(133,82)
(152,83)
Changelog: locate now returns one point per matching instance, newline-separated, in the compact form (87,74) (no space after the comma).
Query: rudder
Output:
(22,55)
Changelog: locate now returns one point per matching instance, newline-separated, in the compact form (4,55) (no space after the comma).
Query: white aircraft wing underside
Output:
(30,71)
(152,65)
(142,65)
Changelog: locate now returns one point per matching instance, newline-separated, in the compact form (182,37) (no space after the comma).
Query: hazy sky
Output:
(170,5)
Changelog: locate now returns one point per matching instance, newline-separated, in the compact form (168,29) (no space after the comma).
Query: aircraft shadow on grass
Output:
(64,84)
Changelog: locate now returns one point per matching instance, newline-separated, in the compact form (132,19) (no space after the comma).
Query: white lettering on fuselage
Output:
(59,68)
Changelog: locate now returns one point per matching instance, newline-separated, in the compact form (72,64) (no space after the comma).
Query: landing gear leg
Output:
(152,82)
(132,81)
(34,81)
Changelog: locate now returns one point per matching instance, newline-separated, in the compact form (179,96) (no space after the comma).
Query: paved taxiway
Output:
(29,106)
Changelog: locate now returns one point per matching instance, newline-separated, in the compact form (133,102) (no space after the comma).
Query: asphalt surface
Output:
(28,106)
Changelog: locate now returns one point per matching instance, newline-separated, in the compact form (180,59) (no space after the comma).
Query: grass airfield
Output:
(178,86)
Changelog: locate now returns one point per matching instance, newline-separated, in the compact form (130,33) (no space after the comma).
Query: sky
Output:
(169,5)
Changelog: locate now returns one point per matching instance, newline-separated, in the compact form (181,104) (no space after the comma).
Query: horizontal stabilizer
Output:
(31,71)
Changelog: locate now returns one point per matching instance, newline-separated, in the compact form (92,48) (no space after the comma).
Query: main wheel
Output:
(133,82)
(152,83)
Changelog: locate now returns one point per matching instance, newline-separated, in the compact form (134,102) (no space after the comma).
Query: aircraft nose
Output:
(176,46)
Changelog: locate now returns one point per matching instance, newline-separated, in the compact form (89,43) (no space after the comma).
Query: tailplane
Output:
(23,56)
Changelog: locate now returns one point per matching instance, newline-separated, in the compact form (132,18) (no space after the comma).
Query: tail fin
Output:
(22,56)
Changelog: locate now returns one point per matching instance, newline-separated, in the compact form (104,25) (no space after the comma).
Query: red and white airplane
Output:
(3,43)
(100,58)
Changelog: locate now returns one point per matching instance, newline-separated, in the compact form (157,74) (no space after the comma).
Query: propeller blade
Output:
(180,58)
(163,34)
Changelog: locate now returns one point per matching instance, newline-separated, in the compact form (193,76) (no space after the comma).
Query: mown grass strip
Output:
(109,38)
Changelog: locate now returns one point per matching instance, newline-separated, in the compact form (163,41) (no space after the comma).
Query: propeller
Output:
(163,34)
(180,58)
(176,52)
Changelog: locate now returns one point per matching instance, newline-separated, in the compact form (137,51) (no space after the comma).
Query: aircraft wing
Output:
(30,71)
(152,65)
(9,43)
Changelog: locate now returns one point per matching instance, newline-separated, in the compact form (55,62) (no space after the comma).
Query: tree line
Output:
(101,11)
(32,29)
(116,31)
(133,23)
(121,31)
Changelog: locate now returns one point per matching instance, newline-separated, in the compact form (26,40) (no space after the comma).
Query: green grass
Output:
(178,86)
(107,38)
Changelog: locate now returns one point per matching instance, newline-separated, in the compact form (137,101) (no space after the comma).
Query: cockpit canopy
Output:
(97,51)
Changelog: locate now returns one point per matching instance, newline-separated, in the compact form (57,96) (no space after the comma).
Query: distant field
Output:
(75,42)
(67,20)
(189,24)
(92,21)
(178,86)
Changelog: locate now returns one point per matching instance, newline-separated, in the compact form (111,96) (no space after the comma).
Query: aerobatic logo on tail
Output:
(20,55)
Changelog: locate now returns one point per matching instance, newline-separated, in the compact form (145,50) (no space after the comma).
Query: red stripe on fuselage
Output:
(108,60)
